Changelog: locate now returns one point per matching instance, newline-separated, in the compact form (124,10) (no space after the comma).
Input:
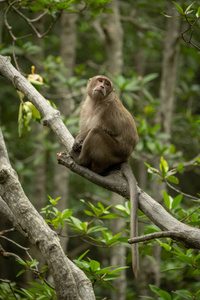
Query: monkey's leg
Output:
(99,151)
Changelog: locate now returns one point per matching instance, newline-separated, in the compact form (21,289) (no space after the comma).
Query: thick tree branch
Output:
(70,282)
(51,116)
(115,182)
(189,236)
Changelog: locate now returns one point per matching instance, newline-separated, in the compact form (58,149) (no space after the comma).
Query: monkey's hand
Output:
(77,146)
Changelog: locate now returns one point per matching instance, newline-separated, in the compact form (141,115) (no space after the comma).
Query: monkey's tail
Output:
(127,172)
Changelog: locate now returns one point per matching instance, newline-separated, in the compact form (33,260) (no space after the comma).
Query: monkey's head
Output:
(99,87)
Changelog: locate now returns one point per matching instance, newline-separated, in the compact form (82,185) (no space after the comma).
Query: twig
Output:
(192,31)
(155,235)
(39,17)
(7,230)
(18,245)
(6,254)
(178,191)
(190,214)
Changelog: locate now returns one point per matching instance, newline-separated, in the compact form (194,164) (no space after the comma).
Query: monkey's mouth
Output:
(99,91)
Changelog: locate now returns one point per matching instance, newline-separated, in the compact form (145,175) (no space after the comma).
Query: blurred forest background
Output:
(156,74)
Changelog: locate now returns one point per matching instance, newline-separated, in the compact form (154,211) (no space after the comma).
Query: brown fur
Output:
(108,134)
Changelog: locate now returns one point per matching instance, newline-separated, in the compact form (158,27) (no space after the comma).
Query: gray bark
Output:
(70,282)
(169,71)
(166,105)
(188,235)
(68,41)
(114,49)
(114,39)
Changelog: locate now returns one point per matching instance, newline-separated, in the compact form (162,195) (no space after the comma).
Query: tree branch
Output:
(156,235)
(70,281)
(115,182)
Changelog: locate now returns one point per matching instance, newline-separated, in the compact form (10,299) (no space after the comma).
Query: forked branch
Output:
(188,235)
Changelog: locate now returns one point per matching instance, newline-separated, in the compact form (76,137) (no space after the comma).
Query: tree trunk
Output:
(165,109)
(67,53)
(114,49)
(169,71)
(114,39)
(70,282)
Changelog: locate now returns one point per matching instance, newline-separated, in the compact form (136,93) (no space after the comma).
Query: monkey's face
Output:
(99,87)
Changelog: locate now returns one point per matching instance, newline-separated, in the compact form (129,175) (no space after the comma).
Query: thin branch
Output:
(190,214)
(191,162)
(18,245)
(189,41)
(39,17)
(7,230)
(180,192)
(51,25)
(189,236)
(155,235)
(6,254)
(29,21)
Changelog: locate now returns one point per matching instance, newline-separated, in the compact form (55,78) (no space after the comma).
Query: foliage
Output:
(89,222)
(191,16)
(96,274)
(38,291)
(7,291)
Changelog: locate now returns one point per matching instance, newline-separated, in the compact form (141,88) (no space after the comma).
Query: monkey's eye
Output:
(100,80)
(107,83)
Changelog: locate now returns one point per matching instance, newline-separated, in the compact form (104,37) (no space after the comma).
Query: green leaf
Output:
(149,77)
(184,294)
(198,158)
(84,226)
(179,8)
(183,257)
(110,216)
(166,199)
(96,229)
(176,201)
(28,294)
(21,262)
(164,167)
(80,257)
(89,213)
(94,265)
(164,245)
(187,11)
(147,165)
(198,12)
(66,213)
(20,273)
(197,258)
(76,222)
(164,295)
(180,167)
(121,208)
(173,179)
(101,206)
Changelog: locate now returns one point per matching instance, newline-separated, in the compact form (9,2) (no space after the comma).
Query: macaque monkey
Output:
(107,137)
